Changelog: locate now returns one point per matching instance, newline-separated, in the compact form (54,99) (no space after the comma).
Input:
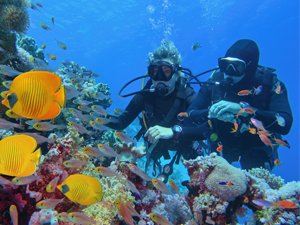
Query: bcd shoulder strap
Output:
(266,77)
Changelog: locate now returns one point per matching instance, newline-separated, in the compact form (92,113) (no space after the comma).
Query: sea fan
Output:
(14,18)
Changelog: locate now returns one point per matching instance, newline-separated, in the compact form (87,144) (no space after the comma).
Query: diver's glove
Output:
(227,117)
(155,133)
(220,108)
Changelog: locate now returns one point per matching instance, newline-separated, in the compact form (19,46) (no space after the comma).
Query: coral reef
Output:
(14,16)
(273,181)
(28,44)
(7,46)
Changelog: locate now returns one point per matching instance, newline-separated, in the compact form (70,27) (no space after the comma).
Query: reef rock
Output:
(226,173)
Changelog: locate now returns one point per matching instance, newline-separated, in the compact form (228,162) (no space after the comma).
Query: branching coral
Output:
(28,44)
(272,180)
(129,152)
(176,209)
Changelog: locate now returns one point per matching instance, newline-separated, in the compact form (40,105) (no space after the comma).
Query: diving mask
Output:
(161,70)
(232,66)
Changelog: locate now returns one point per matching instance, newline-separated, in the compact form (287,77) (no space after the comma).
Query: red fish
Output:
(161,186)
(246,110)
(125,212)
(277,162)
(136,170)
(182,115)
(219,148)
(285,204)
(282,142)
(264,138)
(173,186)
(244,92)
(278,89)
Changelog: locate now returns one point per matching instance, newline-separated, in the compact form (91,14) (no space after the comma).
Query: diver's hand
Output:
(155,133)
(227,117)
(218,109)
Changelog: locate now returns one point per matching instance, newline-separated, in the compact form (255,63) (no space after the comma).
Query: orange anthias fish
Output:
(161,186)
(173,186)
(246,110)
(282,142)
(19,155)
(264,138)
(244,92)
(74,163)
(235,128)
(159,219)
(82,189)
(107,150)
(277,162)
(219,148)
(25,180)
(91,151)
(107,172)
(80,218)
(48,203)
(252,130)
(182,115)
(285,204)
(36,95)
(136,170)
(125,212)
(124,138)
(13,212)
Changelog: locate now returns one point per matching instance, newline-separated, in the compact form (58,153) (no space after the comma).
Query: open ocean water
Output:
(113,39)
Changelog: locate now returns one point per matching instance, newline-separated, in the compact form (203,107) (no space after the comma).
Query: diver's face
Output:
(162,70)
(167,71)
(234,79)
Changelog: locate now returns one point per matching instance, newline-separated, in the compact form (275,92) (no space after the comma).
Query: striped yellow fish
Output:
(82,189)
(18,155)
(36,95)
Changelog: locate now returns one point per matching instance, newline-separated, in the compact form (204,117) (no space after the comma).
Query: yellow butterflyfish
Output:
(19,155)
(36,95)
(82,189)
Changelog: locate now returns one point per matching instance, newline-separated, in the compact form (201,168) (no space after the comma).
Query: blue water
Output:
(114,37)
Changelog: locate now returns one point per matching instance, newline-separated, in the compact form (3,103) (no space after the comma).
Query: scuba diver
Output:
(244,106)
(165,95)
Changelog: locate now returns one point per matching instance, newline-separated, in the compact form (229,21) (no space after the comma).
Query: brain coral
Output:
(224,172)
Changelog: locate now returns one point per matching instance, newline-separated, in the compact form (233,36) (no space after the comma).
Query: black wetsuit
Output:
(156,110)
(253,152)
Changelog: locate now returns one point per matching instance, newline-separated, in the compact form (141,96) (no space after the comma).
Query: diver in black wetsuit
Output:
(171,96)
(240,84)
